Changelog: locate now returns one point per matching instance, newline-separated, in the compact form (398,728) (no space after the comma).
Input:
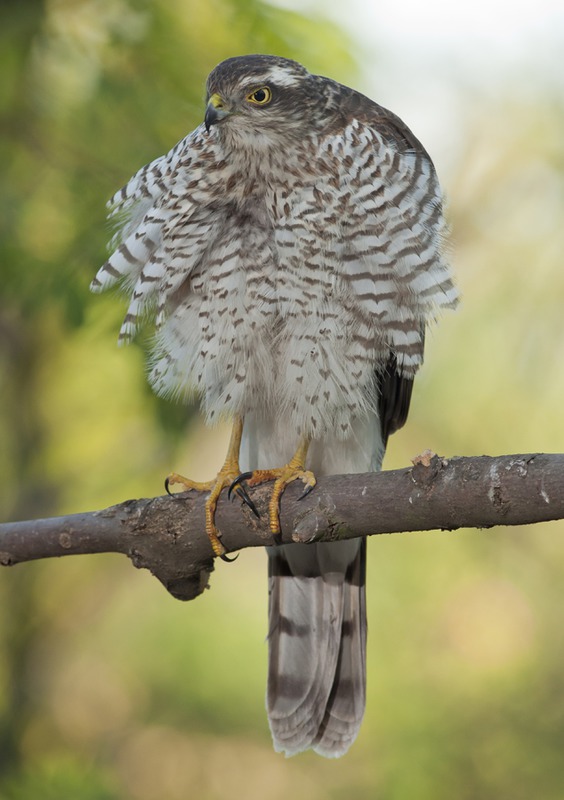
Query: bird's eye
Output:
(260,97)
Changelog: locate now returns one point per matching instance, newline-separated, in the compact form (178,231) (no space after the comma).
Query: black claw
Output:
(305,492)
(167,489)
(242,477)
(241,492)
(253,508)
(229,560)
(277,539)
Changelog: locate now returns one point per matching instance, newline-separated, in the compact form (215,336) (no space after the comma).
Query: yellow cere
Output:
(216,100)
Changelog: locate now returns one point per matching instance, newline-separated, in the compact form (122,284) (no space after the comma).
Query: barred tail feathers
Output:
(316,689)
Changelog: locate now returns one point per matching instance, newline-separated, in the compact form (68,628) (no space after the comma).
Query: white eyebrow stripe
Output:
(281,77)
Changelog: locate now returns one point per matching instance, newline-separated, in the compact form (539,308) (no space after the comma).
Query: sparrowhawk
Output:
(291,252)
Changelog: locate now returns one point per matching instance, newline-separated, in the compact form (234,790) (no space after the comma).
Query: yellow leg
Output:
(225,477)
(294,470)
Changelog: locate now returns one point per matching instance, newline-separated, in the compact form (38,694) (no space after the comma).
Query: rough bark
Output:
(166,534)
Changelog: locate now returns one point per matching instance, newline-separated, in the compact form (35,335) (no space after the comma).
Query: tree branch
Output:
(166,534)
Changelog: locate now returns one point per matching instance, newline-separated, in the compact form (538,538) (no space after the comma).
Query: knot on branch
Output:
(426,468)
(187,587)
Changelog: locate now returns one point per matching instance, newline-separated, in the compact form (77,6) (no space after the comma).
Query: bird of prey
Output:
(291,252)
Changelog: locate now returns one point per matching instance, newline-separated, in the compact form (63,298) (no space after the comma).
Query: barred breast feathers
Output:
(336,260)
(361,248)
(156,244)
(394,257)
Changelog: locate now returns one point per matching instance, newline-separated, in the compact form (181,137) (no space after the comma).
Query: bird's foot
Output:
(282,476)
(225,478)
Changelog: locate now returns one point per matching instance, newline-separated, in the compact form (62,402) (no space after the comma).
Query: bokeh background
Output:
(109,688)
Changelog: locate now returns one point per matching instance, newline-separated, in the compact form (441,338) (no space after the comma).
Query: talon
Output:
(168,482)
(294,470)
(242,477)
(215,487)
(306,491)
(241,492)
(227,559)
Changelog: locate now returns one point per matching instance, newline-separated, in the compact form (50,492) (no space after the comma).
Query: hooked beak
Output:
(215,112)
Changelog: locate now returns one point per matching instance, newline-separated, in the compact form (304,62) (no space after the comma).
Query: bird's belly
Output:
(254,349)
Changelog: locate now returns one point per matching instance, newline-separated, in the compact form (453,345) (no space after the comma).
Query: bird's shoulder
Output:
(351,107)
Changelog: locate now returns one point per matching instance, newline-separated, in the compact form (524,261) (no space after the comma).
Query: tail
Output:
(316,690)
(317,646)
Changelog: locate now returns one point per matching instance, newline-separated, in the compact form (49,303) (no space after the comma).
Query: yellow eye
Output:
(260,97)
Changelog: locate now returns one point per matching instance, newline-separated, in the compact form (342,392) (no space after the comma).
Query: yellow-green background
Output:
(109,688)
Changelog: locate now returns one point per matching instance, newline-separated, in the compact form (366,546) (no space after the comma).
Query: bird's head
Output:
(258,96)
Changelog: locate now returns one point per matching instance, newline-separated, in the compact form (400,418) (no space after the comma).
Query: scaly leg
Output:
(225,477)
(282,476)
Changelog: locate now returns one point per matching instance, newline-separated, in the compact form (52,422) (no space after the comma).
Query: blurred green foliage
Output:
(109,688)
